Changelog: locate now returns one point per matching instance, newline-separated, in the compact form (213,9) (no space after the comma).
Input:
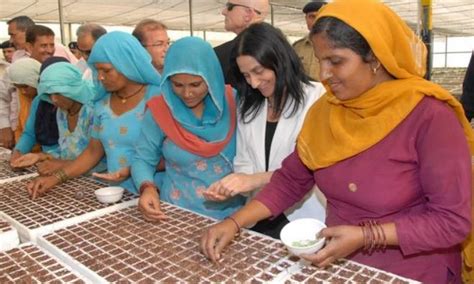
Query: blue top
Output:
(187,175)
(72,144)
(118,133)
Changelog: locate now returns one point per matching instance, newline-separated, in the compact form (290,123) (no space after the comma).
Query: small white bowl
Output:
(298,232)
(109,194)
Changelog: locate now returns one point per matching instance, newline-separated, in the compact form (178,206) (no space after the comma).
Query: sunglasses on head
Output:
(231,6)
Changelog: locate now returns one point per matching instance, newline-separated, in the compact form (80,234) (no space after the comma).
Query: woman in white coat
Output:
(275,95)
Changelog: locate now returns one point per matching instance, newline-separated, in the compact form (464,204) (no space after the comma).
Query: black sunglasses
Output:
(85,52)
(231,6)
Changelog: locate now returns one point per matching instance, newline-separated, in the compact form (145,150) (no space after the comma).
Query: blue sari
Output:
(118,133)
(188,174)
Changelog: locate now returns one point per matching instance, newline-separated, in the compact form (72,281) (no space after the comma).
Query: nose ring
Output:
(326,74)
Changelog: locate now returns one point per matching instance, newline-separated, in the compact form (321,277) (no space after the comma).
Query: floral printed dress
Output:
(73,143)
(118,133)
(186,176)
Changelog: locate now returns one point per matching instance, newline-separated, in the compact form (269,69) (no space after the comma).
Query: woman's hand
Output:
(48,167)
(39,186)
(230,186)
(341,241)
(14,156)
(149,205)
(216,238)
(25,160)
(117,176)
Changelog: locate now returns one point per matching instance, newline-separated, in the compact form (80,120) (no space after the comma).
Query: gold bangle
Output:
(61,175)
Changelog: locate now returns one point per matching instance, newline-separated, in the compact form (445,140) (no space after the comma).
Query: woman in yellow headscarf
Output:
(390,150)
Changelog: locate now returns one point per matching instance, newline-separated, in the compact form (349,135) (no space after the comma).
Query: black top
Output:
(223,52)
(270,227)
(269,133)
(46,126)
(467,97)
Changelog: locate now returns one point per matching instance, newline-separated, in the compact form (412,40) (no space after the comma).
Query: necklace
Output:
(124,99)
(269,103)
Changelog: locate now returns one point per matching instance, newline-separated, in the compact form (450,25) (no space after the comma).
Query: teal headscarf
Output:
(127,56)
(66,79)
(192,55)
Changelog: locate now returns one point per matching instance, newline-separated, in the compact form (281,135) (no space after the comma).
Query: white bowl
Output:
(299,236)
(109,194)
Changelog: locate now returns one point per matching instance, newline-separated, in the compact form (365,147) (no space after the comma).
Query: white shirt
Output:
(250,156)
(9,105)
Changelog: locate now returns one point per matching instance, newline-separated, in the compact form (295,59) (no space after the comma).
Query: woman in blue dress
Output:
(125,79)
(191,126)
(61,84)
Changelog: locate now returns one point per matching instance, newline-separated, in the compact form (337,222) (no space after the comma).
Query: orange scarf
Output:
(25,106)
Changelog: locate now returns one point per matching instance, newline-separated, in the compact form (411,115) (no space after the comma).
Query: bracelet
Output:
(236,224)
(146,184)
(61,175)
(384,238)
(374,236)
(47,157)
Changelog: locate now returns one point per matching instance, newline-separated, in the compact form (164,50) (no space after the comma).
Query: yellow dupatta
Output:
(347,128)
(25,105)
(24,71)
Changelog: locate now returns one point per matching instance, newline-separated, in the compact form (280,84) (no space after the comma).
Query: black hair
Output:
(270,48)
(22,22)
(342,35)
(37,30)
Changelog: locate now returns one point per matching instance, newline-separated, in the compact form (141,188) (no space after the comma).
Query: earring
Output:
(374,70)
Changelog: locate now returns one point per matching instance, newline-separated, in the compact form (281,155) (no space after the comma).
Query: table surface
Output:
(30,264)
(121,245)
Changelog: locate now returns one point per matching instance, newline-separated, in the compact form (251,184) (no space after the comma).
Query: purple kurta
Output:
(419,177)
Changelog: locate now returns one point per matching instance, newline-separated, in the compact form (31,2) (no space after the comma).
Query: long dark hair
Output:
(270,48)
(342,35)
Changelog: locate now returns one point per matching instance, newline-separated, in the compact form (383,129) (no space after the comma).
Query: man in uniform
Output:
(304,47)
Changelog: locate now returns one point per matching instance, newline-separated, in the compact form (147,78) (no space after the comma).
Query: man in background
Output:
(153,36)
(17,31)
(40,42)
(304,47)
(239,14)
(7,49)
(73,49)
(8,120)
(87,35)
(9,104)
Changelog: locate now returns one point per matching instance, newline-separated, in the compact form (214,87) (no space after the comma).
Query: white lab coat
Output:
(250,156)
